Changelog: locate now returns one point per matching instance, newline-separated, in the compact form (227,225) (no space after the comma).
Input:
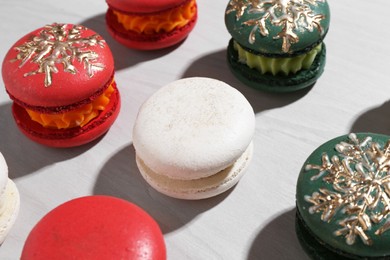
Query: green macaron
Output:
(343,199)
(277,45)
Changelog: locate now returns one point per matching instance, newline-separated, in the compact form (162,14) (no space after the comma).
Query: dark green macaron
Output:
(343,199)
(280,30)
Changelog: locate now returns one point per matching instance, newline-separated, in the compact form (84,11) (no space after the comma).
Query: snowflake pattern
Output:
(291,15)
(59,44)
(360,179)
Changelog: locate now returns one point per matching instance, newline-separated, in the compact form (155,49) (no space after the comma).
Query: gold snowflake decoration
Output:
(237,6)
(291,15)
(60,44)
(360,179)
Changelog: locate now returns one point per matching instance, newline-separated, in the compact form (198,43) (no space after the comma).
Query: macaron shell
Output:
(66,88)
(193,128)
(241,27)
(10,209)
(142,6)
(68,137)
(3,175)
(95,227)
(201,188)
(9,201)
(312,246)
(324,230)
(147,41)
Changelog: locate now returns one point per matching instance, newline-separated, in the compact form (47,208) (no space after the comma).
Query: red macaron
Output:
(61,79)
(152,24)
(95,227)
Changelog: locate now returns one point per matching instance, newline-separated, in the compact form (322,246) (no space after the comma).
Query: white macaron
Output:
(9,201)
(193,138)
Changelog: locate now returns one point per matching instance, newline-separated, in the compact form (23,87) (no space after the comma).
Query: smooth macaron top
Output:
(95,227)
(142,6)
(277,28)
(193,128)
(57,65)
(343,194)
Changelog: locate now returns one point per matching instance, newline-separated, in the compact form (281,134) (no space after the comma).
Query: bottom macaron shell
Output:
(95,227)
(146,41)
(278,83)
(68,137)
(199,188)
(314,247)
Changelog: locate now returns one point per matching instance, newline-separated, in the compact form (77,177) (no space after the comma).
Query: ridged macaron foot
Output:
(277,46)
(193,138)
(95,227)
(151,25)
(343,206)
(61,80)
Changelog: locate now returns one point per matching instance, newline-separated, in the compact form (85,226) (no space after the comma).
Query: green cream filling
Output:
(284,66)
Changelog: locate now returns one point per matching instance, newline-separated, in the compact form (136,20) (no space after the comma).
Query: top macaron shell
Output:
(193,128)
(240,26)
(66,88)
(142,6)
(325,230)
(96,227)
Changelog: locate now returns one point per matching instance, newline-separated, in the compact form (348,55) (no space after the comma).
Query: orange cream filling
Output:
(162,22)
(78,117)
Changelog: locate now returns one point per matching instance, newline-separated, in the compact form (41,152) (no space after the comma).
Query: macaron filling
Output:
(200,188)
(165,21)
(77,117)
(276,83)
(272,65)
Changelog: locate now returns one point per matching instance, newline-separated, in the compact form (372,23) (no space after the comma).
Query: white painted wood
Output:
(255,220)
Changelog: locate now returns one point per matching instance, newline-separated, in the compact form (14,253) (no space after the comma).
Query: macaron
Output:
(343,205)
(61,80)
(277,46)
(193,138)
(95,227)
(150,25)
(9,201)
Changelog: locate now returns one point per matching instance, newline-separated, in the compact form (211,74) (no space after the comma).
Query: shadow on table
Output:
(376,120)
(120,177)
(124,57)
(24,156)
(277,240)
(214,65)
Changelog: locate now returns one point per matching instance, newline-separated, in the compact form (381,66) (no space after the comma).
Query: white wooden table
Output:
(255,220)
